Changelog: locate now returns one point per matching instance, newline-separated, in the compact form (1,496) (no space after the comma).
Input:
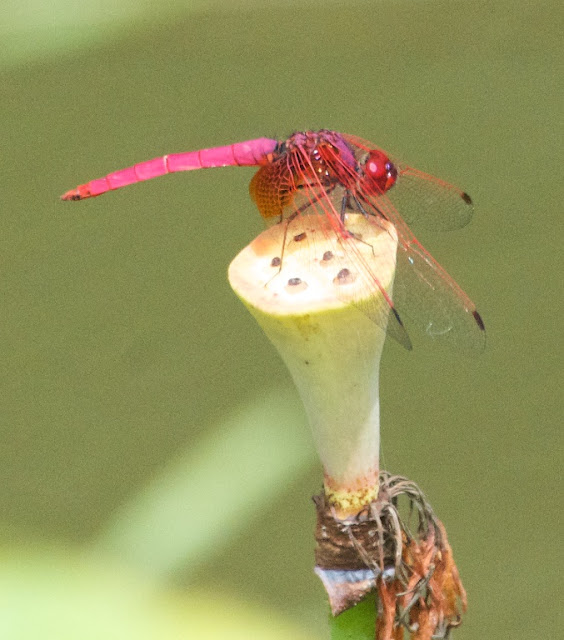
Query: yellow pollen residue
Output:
(349,503)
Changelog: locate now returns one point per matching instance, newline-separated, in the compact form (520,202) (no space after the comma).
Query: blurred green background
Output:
(155,464)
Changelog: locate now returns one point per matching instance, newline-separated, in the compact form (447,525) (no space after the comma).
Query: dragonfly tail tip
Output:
(71,195)
(74,194)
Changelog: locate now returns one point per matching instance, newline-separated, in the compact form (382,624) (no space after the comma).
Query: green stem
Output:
(357,623)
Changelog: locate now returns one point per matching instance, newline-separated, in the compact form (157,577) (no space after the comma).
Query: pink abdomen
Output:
(249,153)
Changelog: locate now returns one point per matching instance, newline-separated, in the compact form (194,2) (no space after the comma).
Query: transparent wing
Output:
(422,199)
(428,297)
(424,293)
(429,203)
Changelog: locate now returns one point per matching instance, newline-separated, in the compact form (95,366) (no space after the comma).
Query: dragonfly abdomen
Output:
(249,153)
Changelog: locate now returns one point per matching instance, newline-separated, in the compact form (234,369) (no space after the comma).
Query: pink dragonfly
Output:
(333,174)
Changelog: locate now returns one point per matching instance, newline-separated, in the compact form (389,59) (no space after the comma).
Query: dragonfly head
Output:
(379,171)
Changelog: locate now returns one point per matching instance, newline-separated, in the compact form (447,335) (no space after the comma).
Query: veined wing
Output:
(424,292)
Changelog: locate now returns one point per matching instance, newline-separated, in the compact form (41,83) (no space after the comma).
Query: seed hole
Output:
(295,285)
(344,277)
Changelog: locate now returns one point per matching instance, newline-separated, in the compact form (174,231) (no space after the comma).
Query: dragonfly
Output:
(334,175)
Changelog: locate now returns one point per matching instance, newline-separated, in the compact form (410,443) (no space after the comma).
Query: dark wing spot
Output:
(479,320)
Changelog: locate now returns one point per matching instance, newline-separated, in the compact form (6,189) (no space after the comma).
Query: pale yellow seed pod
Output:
(318,307)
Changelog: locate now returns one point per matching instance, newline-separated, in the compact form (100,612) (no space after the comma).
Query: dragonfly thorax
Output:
(306,167)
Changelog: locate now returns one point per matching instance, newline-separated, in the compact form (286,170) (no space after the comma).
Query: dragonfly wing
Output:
(423,291)
(421,198)
(428,297)
(428,202)
(385,315)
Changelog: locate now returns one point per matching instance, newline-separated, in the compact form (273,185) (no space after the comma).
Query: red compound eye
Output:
(381,173)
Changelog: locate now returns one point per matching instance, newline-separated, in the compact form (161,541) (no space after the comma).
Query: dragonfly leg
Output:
(304,207)
(346,204)
(369,215)
(287,222)
(313,201)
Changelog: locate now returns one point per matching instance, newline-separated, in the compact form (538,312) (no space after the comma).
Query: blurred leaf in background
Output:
(208,495)
(33,29)
(49,594)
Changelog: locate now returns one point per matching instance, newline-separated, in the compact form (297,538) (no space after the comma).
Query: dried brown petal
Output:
(415,575)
